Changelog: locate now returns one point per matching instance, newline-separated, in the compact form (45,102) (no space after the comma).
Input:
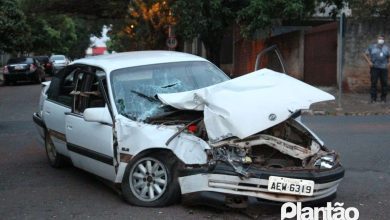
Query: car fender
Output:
(135,138)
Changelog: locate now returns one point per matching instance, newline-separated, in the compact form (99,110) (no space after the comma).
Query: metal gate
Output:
(320,55)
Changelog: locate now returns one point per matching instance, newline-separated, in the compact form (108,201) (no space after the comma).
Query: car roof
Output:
(58,55)
(41,57)
(136,58)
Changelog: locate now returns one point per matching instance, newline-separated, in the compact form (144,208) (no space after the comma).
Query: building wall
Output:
(244,53)
(360,34)
(291,46)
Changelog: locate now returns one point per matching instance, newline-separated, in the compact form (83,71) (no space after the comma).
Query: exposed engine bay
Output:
(288,145)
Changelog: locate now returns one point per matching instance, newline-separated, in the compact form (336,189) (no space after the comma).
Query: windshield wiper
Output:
(149,98)
(169,85)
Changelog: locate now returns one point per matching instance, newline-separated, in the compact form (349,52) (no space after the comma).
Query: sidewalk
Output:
(351,104)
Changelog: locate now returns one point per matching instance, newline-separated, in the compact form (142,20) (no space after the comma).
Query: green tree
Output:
(208,20)
(264,14)
(86,9)
(145,26)
(52,34)
(84,31)
(362,9)
(58,31)
(14,31)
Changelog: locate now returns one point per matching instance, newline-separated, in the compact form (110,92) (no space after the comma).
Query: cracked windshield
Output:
(135,89)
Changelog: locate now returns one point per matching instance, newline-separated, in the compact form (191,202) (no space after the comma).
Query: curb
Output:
(336,113)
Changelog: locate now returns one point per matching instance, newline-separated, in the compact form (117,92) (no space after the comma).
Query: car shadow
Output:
(24,83)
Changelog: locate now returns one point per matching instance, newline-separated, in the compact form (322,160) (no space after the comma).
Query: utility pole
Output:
(340,59)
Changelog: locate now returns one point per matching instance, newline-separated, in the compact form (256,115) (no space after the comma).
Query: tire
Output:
(161,188)
(55,159)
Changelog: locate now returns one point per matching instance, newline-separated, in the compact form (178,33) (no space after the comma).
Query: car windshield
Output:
(57,58)
(22,60)
(135,88)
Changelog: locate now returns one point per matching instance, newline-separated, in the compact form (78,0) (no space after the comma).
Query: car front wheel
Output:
(150,181)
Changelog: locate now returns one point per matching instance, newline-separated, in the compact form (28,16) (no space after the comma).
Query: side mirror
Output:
(101,115)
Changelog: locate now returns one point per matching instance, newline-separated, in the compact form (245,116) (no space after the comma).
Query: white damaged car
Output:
(164,125)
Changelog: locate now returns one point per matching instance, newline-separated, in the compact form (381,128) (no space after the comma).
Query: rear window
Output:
(57,57)
(42,59)
(20,60)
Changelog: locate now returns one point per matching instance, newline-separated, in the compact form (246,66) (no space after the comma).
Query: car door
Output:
(90,144)
(58,102)
(270,58)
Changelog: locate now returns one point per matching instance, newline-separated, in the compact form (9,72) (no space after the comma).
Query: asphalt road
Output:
(31,189)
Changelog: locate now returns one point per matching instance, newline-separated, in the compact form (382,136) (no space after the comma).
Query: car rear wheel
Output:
(150,181)
(55,159)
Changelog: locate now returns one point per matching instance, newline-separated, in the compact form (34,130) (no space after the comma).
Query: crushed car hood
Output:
(248,104)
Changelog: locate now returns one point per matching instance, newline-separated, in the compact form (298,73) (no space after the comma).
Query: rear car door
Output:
(90,144)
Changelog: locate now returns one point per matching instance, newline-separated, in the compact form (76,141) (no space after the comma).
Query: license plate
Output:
(290,186)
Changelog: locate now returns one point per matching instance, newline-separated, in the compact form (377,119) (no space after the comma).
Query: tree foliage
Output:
(362,9)
(208,20)
(53,34)
(65,26)
(14,31)
(264,14)
(45,27)
(145,26)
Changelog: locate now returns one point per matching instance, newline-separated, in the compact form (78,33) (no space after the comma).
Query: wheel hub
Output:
(148,179)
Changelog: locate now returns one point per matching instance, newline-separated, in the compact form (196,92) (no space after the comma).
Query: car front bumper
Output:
(39,124)
(223,180)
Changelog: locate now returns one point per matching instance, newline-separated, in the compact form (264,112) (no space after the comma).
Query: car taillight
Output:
(32,67)
(48,64)
(192,128)
(5,70)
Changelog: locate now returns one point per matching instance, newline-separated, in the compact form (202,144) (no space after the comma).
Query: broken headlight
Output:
(326,162)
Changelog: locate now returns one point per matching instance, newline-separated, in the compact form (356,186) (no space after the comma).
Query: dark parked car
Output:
(23,68)
(46,64)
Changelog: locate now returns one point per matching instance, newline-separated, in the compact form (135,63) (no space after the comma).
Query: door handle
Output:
(47,112)
(69,127)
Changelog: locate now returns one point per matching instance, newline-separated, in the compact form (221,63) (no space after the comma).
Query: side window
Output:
(95,96)
(62,85)
(88,93)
